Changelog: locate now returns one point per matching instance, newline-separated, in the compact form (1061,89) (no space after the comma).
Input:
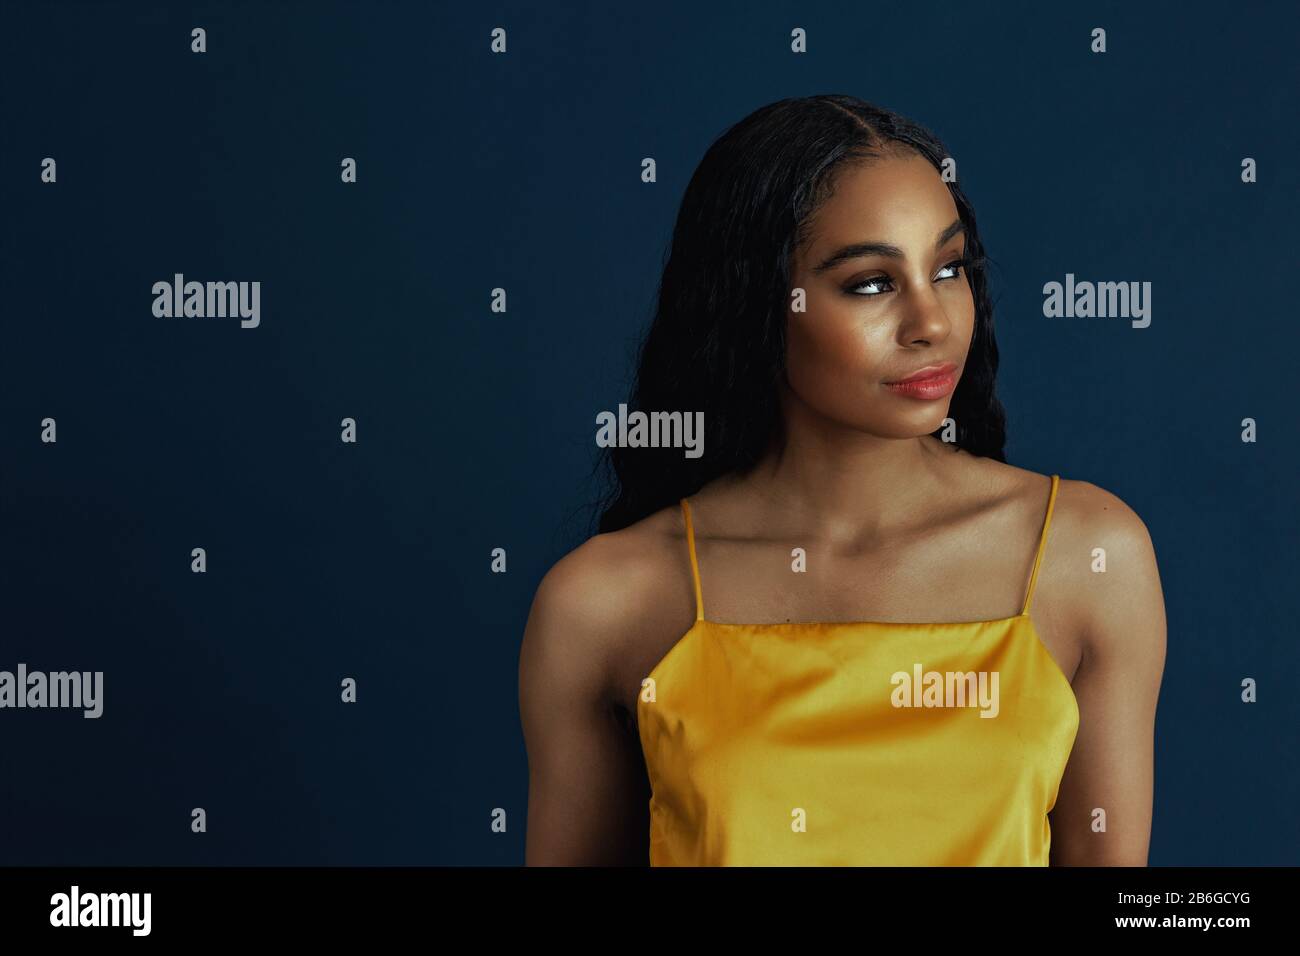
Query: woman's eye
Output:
(953,269)
(872,286)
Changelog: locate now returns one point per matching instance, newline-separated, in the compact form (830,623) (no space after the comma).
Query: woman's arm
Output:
(587,799)
(1103,810)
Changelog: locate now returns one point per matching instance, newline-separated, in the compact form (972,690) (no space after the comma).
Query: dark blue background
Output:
(477,429)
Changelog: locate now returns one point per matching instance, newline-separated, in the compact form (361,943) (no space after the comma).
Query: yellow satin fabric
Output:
(780,744)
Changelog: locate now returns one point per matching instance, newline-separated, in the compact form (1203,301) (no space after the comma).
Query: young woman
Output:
(842,635)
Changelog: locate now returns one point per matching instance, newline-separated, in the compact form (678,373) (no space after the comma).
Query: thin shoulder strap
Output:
(1042,542)
(695,565)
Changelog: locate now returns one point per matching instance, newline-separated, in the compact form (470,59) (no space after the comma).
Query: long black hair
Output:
(717,342)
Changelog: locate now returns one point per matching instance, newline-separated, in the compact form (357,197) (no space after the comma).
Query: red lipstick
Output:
(930,382)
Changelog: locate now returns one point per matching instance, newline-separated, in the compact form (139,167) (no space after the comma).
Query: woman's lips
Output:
(937,385)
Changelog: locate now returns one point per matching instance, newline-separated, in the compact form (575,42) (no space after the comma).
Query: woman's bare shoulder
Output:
(1087,516)
(1101,573)
(1084,515)
(595,603)
(616,573)
(1079,504)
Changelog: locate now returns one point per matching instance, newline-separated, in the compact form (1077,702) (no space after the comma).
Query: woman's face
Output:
(885,298)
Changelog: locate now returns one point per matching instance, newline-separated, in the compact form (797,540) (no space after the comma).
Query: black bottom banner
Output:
(237,904)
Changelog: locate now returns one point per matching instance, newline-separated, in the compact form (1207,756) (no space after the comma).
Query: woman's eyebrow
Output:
(888,250)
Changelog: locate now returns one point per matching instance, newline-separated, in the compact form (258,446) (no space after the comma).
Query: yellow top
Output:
(865,743)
